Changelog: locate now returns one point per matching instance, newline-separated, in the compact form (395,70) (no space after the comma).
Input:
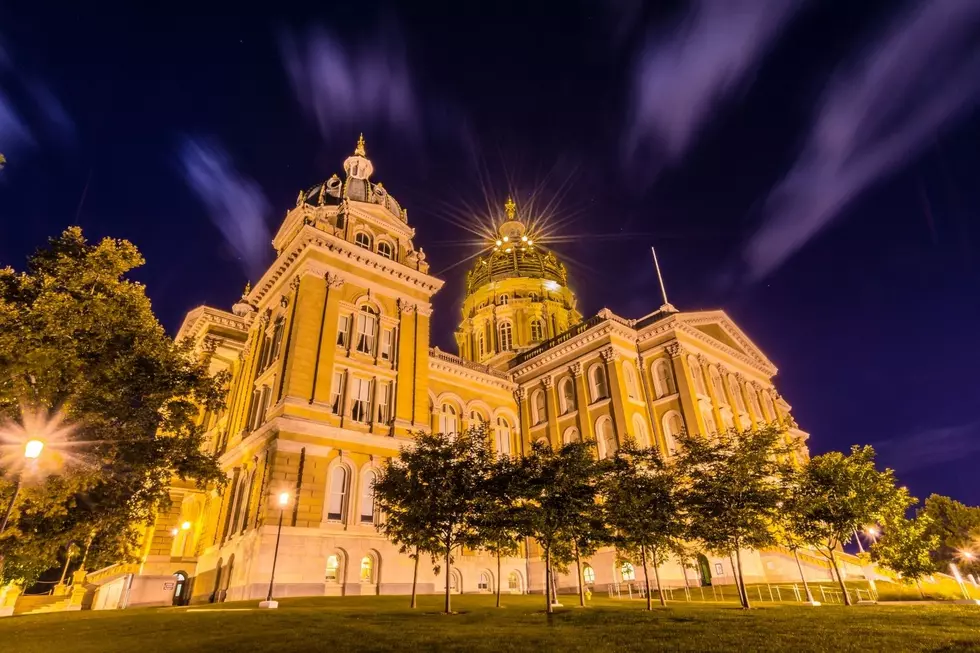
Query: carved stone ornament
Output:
(703,360)
(406,307)
(674,349)
(548,381)
(609,354)
(265,316)
(575,369)
(294,284)
(334,280)
(520,393)
(284,301)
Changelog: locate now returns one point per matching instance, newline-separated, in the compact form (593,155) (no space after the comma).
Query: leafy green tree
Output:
(78,338)
(905,546)
(559,488)
(788,529)
(497,517)
(838,494)
(731,489)
(958,528)
(446,474)
(642,505)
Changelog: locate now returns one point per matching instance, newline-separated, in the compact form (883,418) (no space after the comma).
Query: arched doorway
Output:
(705,569)
(455,582)
(217,582)
(181,587)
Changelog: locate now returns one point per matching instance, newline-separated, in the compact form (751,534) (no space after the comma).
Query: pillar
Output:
(685,388)
(582,401)
(614,378)
(551,406)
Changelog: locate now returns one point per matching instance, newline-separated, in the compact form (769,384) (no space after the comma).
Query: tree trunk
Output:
(799,565)
(646,576)
(738,584)
(656,574)
(684,571)
(547,578)
(449,572)
(415,580)
(918,584)
(840,579)
(499,580)
(581,580)
(741,580)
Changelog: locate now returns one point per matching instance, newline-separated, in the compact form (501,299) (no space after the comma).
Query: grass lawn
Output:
(385,624)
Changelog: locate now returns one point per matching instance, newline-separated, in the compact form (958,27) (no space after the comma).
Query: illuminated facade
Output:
(332,371)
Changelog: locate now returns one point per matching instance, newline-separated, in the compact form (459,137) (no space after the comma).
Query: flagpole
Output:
(660,277)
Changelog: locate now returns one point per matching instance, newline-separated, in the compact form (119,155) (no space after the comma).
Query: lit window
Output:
(484,584)
(277,338)
(717,385)
(571,435)
(384,402)
(503,299)
(362,240)
(608,446)
(360,410)
(333,568)
(566,395)
(506,339)
(630,381)
(338,494)
(709,420)
(367,498)
(503,436)
(514,582)
(387,343)
(448,420)
(698,375)
(627,571)
(640,431)
(664,378)
(384,249)
(343,330)
(481,346)
(537,333)
(366,321)
(673,425)
(588,573)
(538,406)
(736,392)
(597,382)
(770,407)
(367,569)
(337,393)
(534,297)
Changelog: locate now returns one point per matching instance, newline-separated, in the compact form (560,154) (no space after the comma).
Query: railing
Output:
(561,338)
(456,360)
(762,593)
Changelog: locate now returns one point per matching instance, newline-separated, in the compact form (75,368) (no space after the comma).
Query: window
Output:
(754,403)
(588,573)
(630,375)
(719,570)
(253,408)
(537,332)
(503,299)
(385,249)
(448,419)
(367,569)
(709,420)
(640,431)
(333,568)
(673,425)
(566,395)
(514,582)
(484,584)
(481,346)
(506,341)
(663,378)
(534,297)
(736,392)
(606,436)
(502,435)
(571,435)
(387,343)
(337,505)
(343,330)
(770,408)
(384,402)
(337,393)
(627,571)
(264,401)
(597,382)
(367,498)
(360,409)
(717,385)
(361,239)
(538,407)
(366,323)
(727,419)
(698,375)
(277,332)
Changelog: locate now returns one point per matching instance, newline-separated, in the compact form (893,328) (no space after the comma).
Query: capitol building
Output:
(332,371)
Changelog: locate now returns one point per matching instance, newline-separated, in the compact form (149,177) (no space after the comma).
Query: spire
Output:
(359,150)
(510,208)
(667,306)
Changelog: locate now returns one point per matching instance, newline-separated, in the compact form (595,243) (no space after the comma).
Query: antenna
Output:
(660,277)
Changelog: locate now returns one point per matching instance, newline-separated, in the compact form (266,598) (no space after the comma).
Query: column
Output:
(551,406)
(327,342)
(305,333)
(685,388)
(524,414)
(421,371)
(614,377)
(581,401)
(715,400)
(404,398)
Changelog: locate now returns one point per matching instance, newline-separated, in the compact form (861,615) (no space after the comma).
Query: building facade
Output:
(332,371)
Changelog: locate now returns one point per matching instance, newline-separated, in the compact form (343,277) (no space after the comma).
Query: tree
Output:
(731,488)
(559,488)
(838,494)
(496,519)
(904,547)
(788,530)
(958,528)
(445,475)
(642,505)
(79,339)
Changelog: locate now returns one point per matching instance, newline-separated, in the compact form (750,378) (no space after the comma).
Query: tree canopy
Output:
(957,527)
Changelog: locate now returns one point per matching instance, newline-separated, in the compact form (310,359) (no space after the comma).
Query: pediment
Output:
(720,328)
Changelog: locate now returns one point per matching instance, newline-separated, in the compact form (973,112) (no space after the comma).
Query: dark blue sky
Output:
(872,320)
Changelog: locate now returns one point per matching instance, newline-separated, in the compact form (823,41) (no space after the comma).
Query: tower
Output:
(517,296)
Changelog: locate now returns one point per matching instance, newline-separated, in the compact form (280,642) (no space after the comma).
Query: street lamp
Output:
(32,449)
(873,533)
(269,603)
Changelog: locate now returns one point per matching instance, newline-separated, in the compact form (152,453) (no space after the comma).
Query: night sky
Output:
(809,167)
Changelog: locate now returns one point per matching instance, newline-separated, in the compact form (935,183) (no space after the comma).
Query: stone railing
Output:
(435,352)
(561,338)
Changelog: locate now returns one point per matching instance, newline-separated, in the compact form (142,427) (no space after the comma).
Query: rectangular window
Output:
(337,393)
(387,338)
(360,400)
(343,330)
(384,402)
(365,333)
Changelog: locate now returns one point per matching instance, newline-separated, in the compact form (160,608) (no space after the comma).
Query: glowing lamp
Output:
(551,285)
(33,449)
(524,238)
(508,250)
(284,499)
(967,555)
(499,243)
(506,239)
(186,526)
(174,532)
(530,242)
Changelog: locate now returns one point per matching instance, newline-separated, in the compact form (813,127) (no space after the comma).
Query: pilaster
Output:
(582,401)
(551,406)
(685,388)
(614,377)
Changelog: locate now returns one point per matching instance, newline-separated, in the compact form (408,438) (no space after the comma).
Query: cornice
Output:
(606,328)
(442,365)
(197,319)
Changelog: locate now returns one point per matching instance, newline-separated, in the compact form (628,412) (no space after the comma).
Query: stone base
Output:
(271,605)
(6,611)
(967,602)
(813,603)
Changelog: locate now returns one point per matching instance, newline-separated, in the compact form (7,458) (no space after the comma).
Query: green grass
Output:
(385,624)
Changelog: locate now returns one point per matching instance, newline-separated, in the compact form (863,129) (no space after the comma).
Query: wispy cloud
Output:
(344,88)
(684,74)
(931,447)
(235,203)
(876,114)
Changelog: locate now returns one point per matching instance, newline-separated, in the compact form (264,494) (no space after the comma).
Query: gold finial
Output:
(510,209)
(248,289)
(359,150)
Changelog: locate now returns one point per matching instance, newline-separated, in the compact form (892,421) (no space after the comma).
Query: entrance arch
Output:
(705,569)
(181,587)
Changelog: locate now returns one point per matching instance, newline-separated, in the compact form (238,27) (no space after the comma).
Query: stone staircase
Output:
(42,603)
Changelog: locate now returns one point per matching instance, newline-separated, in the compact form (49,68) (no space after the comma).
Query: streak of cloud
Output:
(683,75)
(342,89)
(877,113)
(235,203)
(930,447)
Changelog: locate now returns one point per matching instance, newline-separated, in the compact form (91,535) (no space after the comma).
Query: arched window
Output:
(484,584)
(770,407)
(367,498)
(736,392)
(571,435)
(663,378)
(717,385)
(754,403)
(627,572)
(566,395)
(597,382)
(367,569)
(332,574)
(543,441)
(537,332)
(502,434)
(481,346)
(640,431)
(606,436)
(630,374)
(448,419)
(588,574)
(673,425)
(709,419)
(727,418)
(506,335)
(362,239)
(697,374)
(385,249)
(337,505)
(503,299)
(277,332)
(514,582)
(534,297)
(538,407)
(367,321)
